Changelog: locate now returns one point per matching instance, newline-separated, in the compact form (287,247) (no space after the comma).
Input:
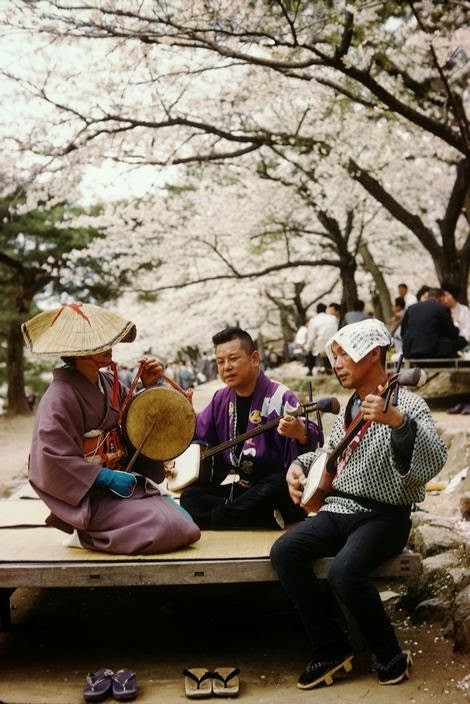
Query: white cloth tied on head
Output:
(358,339)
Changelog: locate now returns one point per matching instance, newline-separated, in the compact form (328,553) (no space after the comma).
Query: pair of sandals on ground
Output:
(200,683)
(101,684)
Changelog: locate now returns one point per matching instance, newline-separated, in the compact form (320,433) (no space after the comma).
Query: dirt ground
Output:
(59,635)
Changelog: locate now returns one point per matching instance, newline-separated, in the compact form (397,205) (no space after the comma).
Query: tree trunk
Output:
(347,272)
(16,397)
(381,298)
(452,263)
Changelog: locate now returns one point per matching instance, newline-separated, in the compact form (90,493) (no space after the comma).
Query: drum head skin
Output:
(169,417)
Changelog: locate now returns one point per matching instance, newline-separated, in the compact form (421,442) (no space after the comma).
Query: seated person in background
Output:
(112,510)
(461,317)
(355,315)
(408,297)
(334,309)
(460,313)
(422,293)
(427,329)
(394,324)
(319,330)
(259,497)
(365,520)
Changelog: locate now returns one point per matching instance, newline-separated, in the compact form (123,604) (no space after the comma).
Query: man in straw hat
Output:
(365,520)
(112,510)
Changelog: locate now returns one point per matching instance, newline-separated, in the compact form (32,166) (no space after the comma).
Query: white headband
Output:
(358,339)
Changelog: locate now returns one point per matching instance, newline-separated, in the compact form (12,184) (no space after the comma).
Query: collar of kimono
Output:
(113,367)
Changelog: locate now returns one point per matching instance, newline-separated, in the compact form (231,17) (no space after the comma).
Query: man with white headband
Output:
(386,457)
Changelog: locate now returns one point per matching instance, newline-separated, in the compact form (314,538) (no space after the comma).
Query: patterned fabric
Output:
(217,423)
(375,470)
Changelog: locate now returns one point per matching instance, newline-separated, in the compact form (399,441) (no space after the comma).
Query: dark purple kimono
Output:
(146,522)
(268,451)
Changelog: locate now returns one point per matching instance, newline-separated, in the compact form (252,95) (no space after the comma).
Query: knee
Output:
(340,578)
(271,484)
(279,553)
(188,496)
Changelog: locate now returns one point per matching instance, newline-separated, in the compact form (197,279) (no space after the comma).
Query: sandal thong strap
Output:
(123,683)
(233,673)
(93,681)
(199,680)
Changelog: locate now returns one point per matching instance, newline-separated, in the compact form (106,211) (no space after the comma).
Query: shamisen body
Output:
(381,473)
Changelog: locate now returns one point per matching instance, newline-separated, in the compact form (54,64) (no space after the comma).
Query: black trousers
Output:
(360,543)
(216,507)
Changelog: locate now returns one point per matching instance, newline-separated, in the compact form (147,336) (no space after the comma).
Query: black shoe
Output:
(458,408)
(396,670)
(318,671)
(466,410)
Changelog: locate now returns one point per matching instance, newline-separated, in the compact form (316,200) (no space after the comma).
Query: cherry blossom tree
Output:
(33,247)
(208,81)
(250,247)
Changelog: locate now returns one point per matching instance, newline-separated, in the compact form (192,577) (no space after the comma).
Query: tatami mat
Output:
(22,512)
(22,541)
(45,545)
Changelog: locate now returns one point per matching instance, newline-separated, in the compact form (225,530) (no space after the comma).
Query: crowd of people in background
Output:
(431,324)
(186,372)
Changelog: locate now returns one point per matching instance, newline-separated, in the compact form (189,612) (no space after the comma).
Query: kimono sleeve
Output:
(57,467)
(429,451)
(209,422)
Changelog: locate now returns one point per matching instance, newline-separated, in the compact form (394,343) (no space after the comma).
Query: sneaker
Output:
(396,670)
(321,671)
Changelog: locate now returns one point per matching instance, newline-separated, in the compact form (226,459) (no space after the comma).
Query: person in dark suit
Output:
(428,331)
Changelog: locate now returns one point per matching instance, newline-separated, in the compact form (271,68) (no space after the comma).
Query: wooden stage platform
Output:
(32,555)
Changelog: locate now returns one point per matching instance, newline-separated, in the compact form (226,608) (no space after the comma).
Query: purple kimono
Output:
(146,522)
(268,451)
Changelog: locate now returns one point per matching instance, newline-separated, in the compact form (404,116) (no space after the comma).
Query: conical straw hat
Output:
(75,330)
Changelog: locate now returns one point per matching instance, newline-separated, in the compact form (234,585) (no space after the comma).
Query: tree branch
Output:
(398,211)
(247,275)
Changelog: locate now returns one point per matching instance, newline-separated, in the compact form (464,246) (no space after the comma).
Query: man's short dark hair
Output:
(451,288)
(321,307)
(422,290)
(235,333)
(336,306)
(358,305)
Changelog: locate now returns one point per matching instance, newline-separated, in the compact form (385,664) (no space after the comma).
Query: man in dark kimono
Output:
(111,510)
(245,485)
